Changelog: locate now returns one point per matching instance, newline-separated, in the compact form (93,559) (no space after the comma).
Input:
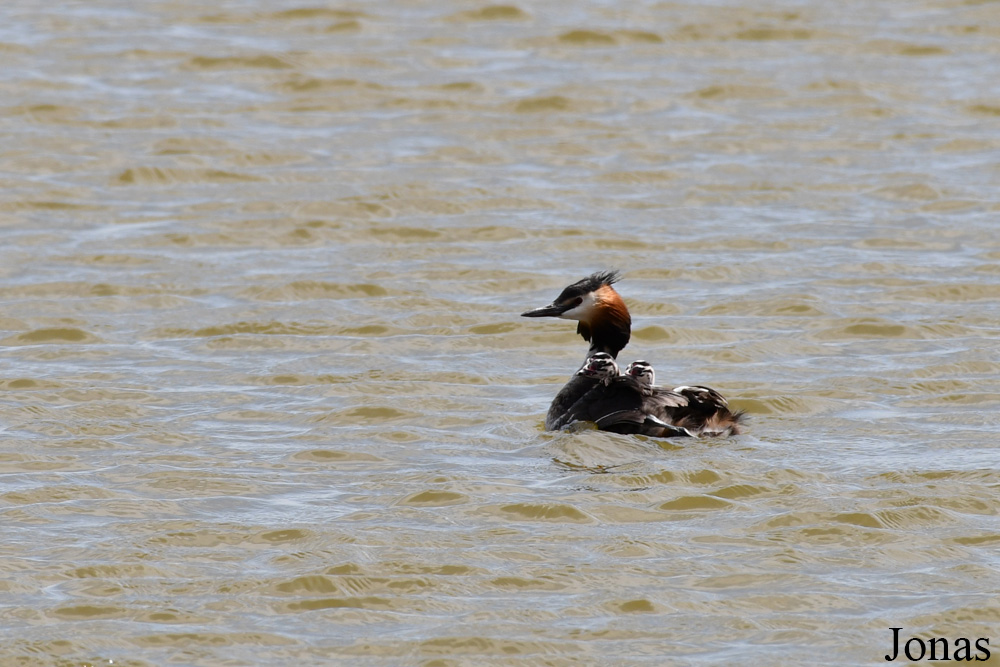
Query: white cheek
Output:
(581,312)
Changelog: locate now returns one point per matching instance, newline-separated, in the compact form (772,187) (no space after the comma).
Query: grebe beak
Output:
(553,310)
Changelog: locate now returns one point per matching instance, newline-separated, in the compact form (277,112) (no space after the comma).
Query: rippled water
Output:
(265,396)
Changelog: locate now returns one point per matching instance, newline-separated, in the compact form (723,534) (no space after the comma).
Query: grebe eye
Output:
(576,302)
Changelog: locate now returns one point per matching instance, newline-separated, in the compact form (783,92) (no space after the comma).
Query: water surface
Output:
(266,398)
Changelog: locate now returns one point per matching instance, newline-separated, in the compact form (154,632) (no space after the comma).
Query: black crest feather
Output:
(591,283)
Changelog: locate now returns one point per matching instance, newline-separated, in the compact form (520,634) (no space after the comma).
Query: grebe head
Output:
(603,318)
(642,371)
(600,366)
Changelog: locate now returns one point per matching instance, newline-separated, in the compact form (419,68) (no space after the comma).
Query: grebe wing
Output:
(561,410)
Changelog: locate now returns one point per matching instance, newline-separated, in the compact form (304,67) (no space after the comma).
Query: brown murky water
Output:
(265,396)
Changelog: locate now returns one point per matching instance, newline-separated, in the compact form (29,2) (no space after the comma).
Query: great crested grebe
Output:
(629,403)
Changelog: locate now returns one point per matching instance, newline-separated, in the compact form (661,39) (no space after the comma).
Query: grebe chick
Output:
(631,403)
(601,366)
(642,371)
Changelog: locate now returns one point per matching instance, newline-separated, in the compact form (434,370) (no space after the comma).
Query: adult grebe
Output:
(629,403)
